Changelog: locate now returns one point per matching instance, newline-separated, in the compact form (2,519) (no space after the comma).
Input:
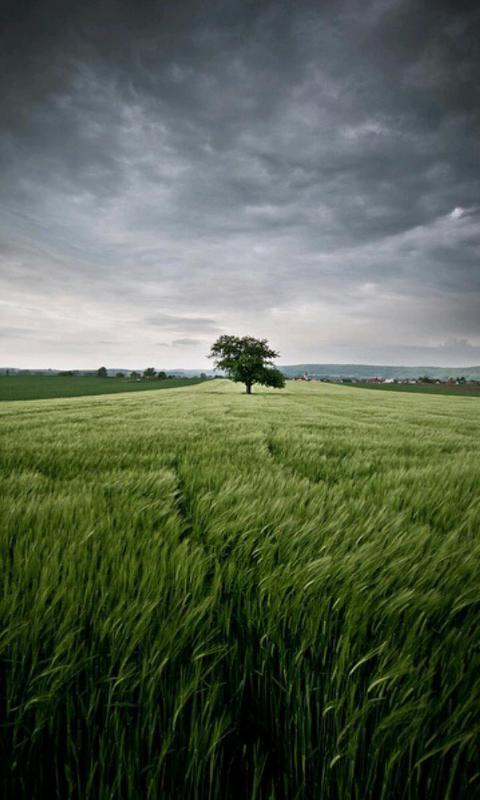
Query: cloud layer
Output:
(306,172)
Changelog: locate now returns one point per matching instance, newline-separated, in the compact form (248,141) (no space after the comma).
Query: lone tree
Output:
(102,372)
(247,360)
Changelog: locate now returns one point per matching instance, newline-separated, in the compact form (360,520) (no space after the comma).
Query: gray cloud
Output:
(300,171)
(15,333)
(172,322)
(186,342)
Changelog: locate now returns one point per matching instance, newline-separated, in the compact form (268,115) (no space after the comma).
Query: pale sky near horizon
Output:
(303,171)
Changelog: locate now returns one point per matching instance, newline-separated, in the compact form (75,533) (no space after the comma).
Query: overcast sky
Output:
(304,171)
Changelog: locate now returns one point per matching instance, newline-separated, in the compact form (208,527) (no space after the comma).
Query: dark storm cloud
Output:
(242,166)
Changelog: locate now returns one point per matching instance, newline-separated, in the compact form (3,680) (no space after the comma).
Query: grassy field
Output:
(212,596)
(466,390)
(41,387)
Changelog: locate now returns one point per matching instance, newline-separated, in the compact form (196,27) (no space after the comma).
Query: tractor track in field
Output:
(182,506)
(288,469)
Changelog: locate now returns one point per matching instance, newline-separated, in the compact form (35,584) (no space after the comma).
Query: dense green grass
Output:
(208,595)
(40,387)
(466,390)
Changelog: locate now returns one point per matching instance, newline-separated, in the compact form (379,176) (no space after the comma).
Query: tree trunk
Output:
(249,388)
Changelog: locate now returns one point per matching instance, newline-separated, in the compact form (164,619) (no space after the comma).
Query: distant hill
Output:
(359,371)
(377,371)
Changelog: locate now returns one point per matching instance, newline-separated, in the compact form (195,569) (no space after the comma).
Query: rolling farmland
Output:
(460,390)
(42,387)
(208,595)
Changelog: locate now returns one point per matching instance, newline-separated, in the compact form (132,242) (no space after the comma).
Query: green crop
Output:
(40,387)
(209,596)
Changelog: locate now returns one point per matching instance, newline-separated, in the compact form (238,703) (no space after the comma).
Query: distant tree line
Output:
(148,374)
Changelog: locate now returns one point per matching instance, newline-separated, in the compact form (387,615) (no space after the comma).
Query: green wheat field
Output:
(211,596)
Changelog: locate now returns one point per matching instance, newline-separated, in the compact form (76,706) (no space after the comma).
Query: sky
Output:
(308,172)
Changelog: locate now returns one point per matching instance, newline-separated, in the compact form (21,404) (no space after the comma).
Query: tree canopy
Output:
(149,373)
(247,360)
